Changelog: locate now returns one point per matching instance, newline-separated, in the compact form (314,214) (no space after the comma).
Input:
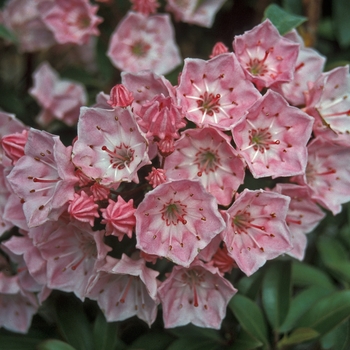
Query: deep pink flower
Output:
(256,229)
(198,295)
(273,137)
(119,218)
(124,288)
(13,145)
(327,174)
(215,92)
(176,220)
(222,260)
(110,147)
(156,177)
(266,56)
(140,42)
(201,12)
(146,7)
(207,155)
(120,96)
(83,208)
(218,49)
(44,178)
(71,21)
(99,191)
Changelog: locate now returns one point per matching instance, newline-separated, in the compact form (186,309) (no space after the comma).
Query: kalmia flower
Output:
(99,191)
(256,229)
(218,49)
(156,177)
(43,178)
(207,155)
(140,42)
(265,55)
(215,92)
(13,145)
(124,288)
(222,260)
(120,96)
(110,147)
(146,7)
(176,220)
(119,218)
(198,295)
(273,137)
(83,208)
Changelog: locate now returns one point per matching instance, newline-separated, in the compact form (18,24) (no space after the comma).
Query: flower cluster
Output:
(162,169)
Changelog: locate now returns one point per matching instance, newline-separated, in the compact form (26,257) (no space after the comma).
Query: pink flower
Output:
(156,177)
(146,7)
(124,288)
(302,217)
(120,96)
(273,137)
(43,178)
(207,155)
(83,208)
(71,21)
(99,191)
(218,49)
(13,145)
(176,220)
(201,13)
(59,98)
(256,229)
(119,218)
(198,295)
(140,42)
(215,92)
(265,55)
(222,260)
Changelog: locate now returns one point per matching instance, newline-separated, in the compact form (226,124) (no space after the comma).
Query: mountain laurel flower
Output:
(256,229)
(198,295)
(146,7)
(176,220)
(273,136)
(119,218)
(120,96)
(13,145)
(99,191)
(215,92)
(218,49)
(265,55)
(156,177)
(83,208)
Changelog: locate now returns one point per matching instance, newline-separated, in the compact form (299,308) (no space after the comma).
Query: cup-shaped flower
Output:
(124,288)
(110,147)
(215,92)
(256,229)
(144,43)
(43,178)
(272,138)
(207,155)
(198,295)
(265,55)
(176,220)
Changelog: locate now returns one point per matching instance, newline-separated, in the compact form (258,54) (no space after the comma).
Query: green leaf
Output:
(307,275)
(8,35)
(73,323)
(281,19)
(152,341)
(245,342)
(301,304)
(338,338)
(54,344)
(191,331)
(106,334)
(328,313)
(298,336)
(276,292)
(250,286)
(18,342)
(250,317)
(341,15)
(194,344)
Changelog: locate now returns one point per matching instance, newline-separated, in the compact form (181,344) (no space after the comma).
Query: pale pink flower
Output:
(265,55)
(327,174)
(5,194)
(120,96)
(59,98)
(176,220)
(218,49)
(256,229)
(124,288)
(198,295)
(119,218)
(146,7)
(140,42)
(156,177)
(273,137)
(13,145)
(13,213)
(83,208)
(302,217)
(199,12)
(43,178)
(207,155)
(215,92)
(71,21)
(110,147)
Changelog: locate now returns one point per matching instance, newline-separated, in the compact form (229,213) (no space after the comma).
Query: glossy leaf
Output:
(338,338)
(250,317)
(328,313)
(54,344)
(298,336)
(191,331)
(282,20)
(276,292)
(152,341)
(250,286)
(245,342)
(194,344)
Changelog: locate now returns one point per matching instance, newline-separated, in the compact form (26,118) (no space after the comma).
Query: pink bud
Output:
(145,7)
(218,49)
(120,96)
(13,145)
(156,177)
(83,208)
